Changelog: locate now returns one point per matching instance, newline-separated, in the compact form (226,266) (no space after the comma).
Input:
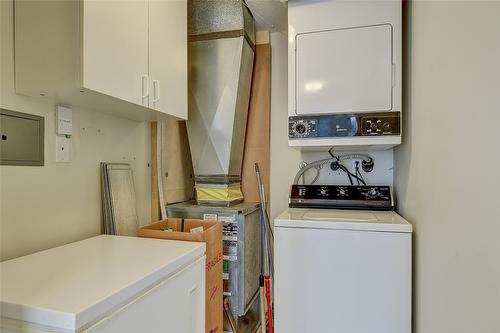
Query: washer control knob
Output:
(372,193)
(342,192)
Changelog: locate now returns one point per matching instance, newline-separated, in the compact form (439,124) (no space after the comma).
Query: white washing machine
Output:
(345,271)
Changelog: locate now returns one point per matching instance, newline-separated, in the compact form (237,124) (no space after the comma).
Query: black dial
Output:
(342,192)
(300,128)
(372,193)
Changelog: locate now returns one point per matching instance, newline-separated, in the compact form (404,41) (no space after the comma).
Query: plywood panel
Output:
(178,179)
(177,168)
(257,144)
(155,204)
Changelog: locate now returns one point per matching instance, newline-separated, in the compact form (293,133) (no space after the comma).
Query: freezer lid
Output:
(387,221)
(72,286)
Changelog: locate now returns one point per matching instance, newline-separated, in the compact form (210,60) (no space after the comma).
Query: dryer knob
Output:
(301,128)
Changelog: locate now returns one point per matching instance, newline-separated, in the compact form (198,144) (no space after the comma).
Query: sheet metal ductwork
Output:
(221,53)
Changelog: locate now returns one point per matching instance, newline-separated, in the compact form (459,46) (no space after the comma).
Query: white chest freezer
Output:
(342,271)
(106,284)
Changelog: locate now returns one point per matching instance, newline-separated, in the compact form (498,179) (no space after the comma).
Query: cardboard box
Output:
(212,236)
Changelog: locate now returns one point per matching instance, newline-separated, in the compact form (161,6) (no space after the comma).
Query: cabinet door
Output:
(115,48)
(168,56)
(344,70)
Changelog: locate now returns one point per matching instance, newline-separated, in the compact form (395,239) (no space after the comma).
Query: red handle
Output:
(267,281)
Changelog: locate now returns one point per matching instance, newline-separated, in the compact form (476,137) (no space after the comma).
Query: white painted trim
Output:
(323,144)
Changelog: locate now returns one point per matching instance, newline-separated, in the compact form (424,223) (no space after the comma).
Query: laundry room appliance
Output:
(241,254)
(106,284)
(344,74)
(339,269)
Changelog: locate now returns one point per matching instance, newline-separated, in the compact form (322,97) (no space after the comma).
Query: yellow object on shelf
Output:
(219,194)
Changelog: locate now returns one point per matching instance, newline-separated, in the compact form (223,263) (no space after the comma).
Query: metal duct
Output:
(221,53)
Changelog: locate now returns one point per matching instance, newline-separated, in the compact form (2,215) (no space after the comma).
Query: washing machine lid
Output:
(387,221)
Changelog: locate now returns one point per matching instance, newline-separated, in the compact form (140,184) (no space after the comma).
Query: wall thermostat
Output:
(64,120)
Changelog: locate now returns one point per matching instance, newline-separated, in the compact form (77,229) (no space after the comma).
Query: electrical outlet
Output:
(63,149)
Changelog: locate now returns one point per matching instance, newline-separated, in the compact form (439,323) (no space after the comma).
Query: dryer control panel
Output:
(344,125)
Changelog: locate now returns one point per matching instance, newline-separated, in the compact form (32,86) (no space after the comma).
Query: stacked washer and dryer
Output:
(343,256)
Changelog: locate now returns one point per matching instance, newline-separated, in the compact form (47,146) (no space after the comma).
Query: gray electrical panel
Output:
(22,137)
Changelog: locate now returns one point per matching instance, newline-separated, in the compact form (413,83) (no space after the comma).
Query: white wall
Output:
(285,160)
(446,172)
(43,207)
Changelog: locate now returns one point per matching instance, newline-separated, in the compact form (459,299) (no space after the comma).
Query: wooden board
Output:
(257,142)
(178,175)
(155,204)
(177,168)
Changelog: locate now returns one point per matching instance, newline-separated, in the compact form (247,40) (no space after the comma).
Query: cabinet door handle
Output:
(192,289)
(145,86)
(156,91)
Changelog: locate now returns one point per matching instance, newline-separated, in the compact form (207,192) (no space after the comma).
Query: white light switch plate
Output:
(63,149)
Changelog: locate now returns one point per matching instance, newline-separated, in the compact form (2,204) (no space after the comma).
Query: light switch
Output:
(63,149)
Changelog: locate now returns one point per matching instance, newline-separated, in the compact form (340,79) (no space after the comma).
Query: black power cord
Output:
(337,165)
(358,173)
(366,165)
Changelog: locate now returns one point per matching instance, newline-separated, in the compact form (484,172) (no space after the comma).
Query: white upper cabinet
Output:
(115,48)
(127,58)
(168,57)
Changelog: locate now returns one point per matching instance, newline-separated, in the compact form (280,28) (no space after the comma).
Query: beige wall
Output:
(43,207)
(284,160)
(447,175)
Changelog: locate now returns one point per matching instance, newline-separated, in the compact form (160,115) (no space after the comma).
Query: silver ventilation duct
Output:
(221,53)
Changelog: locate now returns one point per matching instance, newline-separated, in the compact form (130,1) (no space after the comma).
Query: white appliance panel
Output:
(344,70)
(340,219)
(175,305)
(342,281)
